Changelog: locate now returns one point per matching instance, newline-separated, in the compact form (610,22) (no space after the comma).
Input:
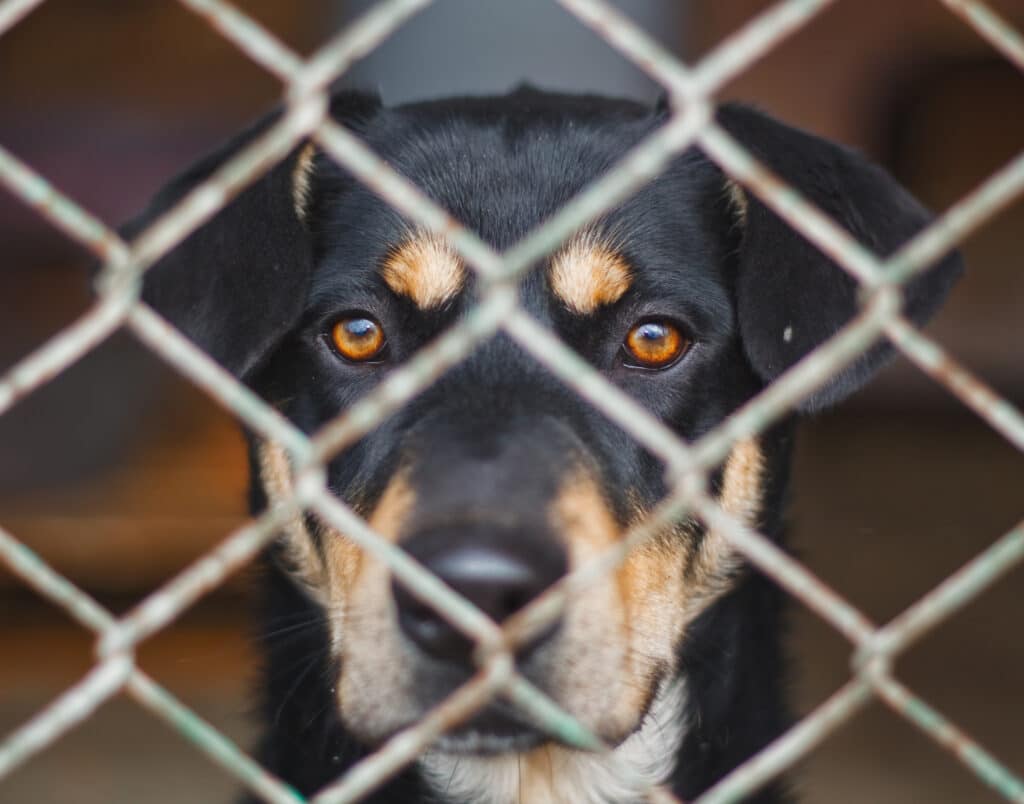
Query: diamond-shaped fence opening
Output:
(690,91)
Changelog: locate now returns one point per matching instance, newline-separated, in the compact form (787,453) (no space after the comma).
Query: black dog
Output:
(691,296)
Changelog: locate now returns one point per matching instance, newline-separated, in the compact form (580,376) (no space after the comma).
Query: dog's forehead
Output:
(503,167)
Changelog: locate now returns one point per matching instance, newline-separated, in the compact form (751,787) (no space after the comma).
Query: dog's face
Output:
(690,296)
(499,477)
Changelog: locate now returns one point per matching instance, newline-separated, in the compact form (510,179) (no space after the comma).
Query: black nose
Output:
(498,581)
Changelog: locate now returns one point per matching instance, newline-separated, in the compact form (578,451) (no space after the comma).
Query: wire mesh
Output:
(690,92)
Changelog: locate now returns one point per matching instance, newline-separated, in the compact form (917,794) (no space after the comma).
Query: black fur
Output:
(258,288)
(784,281)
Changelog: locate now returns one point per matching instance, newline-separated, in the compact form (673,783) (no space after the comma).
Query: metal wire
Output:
(690,123)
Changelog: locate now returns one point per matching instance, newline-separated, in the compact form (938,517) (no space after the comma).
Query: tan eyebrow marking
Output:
(302,177)
(425,269)
(587,274)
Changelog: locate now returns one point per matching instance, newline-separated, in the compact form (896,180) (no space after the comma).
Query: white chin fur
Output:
(555,775)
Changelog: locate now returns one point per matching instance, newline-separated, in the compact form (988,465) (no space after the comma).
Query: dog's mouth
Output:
(494,730)
(501,728)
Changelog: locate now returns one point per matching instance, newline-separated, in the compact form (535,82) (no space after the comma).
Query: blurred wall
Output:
(472,47)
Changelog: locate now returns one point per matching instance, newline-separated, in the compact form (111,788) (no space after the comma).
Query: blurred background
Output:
(120,474)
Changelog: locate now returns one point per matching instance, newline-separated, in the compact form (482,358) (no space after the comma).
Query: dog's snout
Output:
(499,580)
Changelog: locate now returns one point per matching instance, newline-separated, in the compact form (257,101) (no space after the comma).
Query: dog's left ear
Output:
(789,296)
(239,283)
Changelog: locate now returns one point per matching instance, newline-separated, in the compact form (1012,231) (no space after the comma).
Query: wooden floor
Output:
(887,507)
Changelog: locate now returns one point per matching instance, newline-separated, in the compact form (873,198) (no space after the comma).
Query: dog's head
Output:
(690,296)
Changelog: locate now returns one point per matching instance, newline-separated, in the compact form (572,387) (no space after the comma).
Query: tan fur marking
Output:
(661,586)
(302,177)
(742,480)
(587,274)
(639,600)
(390,514)
(737,200)
(299,550)
(582,516)
(346,559)
(375,685)
(330,582)
(426,269)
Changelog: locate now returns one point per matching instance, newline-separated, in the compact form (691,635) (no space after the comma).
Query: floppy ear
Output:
(238,284)
(789,296)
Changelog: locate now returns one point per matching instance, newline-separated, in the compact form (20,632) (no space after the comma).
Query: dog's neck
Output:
(552,774)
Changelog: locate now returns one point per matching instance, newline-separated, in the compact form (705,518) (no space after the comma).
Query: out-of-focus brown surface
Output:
(119,473)
(886,507)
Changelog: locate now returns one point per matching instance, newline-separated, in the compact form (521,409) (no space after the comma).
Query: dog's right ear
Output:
(238,284)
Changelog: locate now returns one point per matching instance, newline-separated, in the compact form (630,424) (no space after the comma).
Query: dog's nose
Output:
(497,581)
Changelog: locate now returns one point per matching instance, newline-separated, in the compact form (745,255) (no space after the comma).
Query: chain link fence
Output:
(690,91)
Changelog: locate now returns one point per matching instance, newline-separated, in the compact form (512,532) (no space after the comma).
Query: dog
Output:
(691,296)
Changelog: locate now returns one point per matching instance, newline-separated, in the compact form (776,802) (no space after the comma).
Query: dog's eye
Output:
(654,344)
(358,338)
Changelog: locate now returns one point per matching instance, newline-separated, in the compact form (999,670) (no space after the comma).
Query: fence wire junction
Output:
(690,91)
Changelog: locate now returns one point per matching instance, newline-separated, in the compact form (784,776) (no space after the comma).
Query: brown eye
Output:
(358,338)
(654,345)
